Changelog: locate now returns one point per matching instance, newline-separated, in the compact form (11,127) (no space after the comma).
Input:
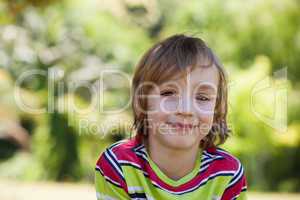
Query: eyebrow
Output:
(206,87)
(199,86)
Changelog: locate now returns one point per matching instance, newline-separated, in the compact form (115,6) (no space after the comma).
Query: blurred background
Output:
(52,53)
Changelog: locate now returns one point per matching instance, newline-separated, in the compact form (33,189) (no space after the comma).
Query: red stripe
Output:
(235,189)
(124,152)
(109,171)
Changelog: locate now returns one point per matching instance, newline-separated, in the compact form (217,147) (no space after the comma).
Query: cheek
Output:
(164,105)
(206,111)
(205,123)
(206,118)
(205,108)
(169,104)
(155,113)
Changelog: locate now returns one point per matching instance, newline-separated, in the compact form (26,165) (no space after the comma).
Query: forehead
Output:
(202,77)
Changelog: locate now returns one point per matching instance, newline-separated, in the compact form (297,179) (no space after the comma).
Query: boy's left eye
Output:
(202,98)
(168,93)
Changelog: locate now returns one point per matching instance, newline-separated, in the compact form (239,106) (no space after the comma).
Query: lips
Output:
(182,125)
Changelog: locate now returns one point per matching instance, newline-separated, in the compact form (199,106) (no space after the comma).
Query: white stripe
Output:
(235,177)
(114,182)
(143,150)
(203,168)
(128,162)
(198,185)
(143,155)
(210,160)
(239,168)
(145,173)
(117,144)
(231,156)
(134,189)
(106,177)
(215,174)
(138,166)
(207,162)
(114,164)
(113,155)
(208,154)
(139,147)
(236,196)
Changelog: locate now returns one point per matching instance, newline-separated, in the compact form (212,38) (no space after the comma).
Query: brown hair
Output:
(163,60)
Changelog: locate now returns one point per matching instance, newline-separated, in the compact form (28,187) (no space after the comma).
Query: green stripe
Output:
(182,180)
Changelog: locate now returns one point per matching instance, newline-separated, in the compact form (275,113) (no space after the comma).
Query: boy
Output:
(180,107)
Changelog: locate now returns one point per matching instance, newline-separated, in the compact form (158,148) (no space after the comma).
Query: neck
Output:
(175,163)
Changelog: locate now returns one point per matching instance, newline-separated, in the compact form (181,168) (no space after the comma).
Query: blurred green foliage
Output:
(254,39)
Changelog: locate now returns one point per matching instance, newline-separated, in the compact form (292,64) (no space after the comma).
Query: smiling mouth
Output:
(179,125)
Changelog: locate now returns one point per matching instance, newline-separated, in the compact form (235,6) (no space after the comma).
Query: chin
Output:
(180,142)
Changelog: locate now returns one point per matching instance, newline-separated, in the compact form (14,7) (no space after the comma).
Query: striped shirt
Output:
(125,171)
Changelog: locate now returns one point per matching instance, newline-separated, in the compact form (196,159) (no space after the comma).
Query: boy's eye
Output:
(168,93)
(202,98)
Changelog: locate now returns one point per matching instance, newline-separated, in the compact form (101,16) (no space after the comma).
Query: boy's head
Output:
(180,94)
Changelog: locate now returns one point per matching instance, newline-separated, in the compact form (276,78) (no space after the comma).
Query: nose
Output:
(185,105)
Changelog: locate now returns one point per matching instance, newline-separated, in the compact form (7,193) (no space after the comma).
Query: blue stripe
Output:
(107,179)
(235,179)
(113,166)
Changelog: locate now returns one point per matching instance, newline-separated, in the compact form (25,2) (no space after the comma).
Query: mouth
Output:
(179,125)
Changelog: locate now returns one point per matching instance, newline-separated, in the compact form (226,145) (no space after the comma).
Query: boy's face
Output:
(181,110)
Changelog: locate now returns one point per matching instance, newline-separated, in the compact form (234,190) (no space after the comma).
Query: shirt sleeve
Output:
(109,181)
(236,188)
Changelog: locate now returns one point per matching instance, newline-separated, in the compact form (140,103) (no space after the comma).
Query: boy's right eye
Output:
(167,93)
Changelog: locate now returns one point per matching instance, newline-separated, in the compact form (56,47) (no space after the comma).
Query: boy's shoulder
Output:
(111,160)
(121,151)
(226,161)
